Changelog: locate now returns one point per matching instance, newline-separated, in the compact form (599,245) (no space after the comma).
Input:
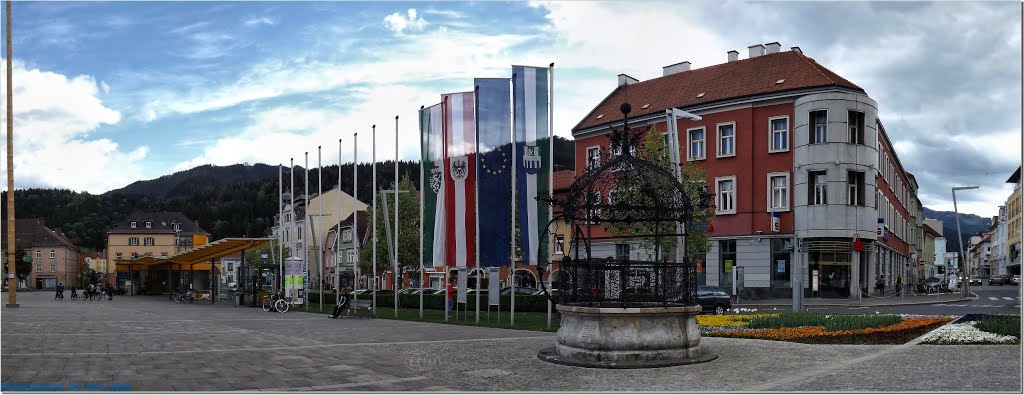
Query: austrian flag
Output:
(459,175)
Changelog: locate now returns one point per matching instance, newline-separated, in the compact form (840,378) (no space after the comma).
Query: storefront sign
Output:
(781,266)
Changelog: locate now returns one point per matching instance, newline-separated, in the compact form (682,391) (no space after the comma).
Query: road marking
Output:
(1007,298)
(993,298)
(340,386)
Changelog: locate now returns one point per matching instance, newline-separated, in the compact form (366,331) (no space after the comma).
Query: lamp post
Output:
(960,238)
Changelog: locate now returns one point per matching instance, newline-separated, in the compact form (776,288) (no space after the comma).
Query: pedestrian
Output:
(880,285)
(451,299)
(110,292)
(74,293)
(60,292)
(342,302)
(899,283)
(92,289)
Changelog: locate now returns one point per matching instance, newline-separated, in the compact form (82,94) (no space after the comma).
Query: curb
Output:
(806,305)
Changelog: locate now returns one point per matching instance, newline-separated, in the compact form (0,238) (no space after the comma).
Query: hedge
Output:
(524,303)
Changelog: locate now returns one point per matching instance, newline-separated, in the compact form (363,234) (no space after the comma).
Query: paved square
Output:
(153,344)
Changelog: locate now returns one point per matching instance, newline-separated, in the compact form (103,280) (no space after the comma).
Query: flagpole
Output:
(291,205)
(337,236)
(355,218)
(476,193)
(280,217)
(374,234)
(551,163)
(422,197)
(320,224)
(305,249)
(394,266)
(515,164)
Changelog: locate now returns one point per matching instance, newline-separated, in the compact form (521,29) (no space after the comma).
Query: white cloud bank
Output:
(53,118)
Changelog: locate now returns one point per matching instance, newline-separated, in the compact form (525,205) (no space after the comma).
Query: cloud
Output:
(398,23)
(260,21)
(54,117)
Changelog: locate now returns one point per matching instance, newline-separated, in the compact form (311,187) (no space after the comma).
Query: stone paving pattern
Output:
(157,345)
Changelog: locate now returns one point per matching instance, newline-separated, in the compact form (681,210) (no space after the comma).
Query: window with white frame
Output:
(133,241)
(39,268)
(53,268)
(53,254)
(559,244)
(725,195)
(118,255)
(778,192)
(149,224)
(778,134)
(819,187)
(593,157)
(695,137)
(855,188)
(351,255)
(346,235)
(39,254)
(177,227)
(148,241)
(133,224)
(856,125)
(819,127)
(595,200)
(727,139)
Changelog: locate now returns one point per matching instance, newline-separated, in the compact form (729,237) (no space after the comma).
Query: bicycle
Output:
(276,302)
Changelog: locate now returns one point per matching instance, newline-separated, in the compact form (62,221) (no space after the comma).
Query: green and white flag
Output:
(432,176)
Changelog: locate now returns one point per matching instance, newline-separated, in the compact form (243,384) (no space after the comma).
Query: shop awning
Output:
(195,259)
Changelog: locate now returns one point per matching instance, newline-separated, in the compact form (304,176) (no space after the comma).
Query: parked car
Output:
(975,280)
(472,292)
(1000,279)
(713,299)
(370,291)
(1015,280)
(427,291)
(408,291)
(521,291)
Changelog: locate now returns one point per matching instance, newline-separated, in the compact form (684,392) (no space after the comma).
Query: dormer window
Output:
(149,224)
(177,227)
(133,224)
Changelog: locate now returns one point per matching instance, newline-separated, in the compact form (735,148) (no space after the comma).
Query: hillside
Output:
(229,201)
(969,225)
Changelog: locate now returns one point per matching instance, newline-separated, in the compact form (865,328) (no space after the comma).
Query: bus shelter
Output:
(195,269)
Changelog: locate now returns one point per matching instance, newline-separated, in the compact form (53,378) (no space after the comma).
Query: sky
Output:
(110,93)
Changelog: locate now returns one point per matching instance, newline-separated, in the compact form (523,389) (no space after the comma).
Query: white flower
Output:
(966,333)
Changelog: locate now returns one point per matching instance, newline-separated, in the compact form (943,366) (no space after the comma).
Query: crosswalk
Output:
(1004,298)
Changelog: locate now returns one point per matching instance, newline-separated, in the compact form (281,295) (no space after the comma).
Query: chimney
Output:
(734,55)
(41,221)
(773,47)
(676,68)
(625,79)
(796,49)
(755,51)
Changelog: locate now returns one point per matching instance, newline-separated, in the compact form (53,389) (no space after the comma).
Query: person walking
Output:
(451,299)
(899,283)
(880,285)
(90,292)
(74,293)
(110,292)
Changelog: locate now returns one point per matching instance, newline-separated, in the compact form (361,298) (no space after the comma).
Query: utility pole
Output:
(12,281)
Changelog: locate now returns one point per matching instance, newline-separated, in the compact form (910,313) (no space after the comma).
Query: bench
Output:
(361,309)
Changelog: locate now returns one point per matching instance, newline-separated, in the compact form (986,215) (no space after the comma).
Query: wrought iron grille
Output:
(653,205)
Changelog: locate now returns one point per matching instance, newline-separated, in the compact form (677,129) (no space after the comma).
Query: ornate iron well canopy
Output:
(637,309)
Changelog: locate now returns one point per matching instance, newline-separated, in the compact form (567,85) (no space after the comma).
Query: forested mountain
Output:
(969,225)
(229,201)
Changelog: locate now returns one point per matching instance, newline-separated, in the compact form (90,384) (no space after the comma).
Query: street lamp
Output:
(960,238)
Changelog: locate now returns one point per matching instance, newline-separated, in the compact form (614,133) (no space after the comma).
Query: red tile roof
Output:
(731,80)
(563,179)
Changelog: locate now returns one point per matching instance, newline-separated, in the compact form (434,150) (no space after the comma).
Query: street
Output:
(992,299)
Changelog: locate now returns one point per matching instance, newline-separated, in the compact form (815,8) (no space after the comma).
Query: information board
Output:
(461,285)
(493,286)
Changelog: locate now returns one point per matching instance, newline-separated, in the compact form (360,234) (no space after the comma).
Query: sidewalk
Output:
(874,300)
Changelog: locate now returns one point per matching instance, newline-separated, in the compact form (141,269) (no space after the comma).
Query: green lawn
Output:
(529,321)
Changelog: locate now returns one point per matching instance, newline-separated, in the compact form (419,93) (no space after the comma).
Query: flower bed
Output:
(844,329)
(978,329)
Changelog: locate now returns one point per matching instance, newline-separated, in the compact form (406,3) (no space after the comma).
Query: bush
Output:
(830,322)
(1006,325)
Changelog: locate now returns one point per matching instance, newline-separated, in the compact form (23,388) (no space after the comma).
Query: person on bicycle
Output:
(60,292)
(74,293)
(343,301)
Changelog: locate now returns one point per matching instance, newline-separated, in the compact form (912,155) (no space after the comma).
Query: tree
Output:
(23,268)
(653,191)
(408,234)
(273,251)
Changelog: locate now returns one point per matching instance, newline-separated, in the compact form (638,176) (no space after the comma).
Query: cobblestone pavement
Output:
(153,344)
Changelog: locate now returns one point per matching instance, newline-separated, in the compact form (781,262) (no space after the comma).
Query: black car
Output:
(521,291)
(713,299)
(1000,279)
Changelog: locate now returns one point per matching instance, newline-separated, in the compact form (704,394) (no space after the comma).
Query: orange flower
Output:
(807,333)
